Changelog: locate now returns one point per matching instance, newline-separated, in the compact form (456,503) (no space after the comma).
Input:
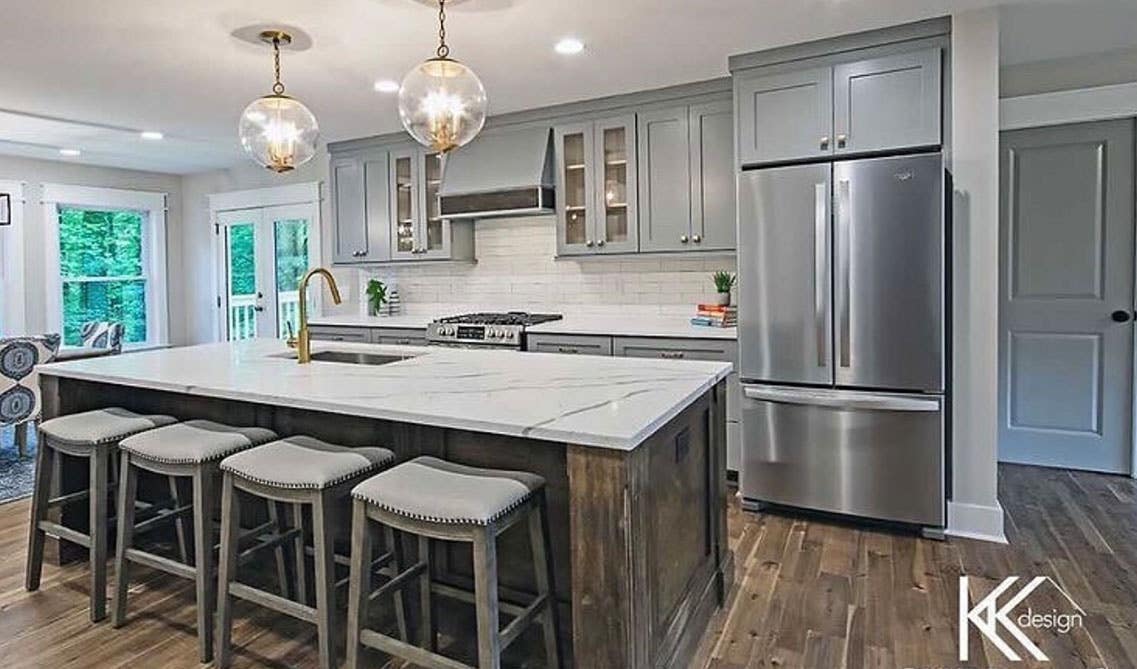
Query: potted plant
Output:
(724,281)
(376,296)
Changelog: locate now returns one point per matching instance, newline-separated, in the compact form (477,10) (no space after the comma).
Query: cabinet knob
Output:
(588,243)
(683,238)
(841,140)
(600,242)
(697,239)
(824,143)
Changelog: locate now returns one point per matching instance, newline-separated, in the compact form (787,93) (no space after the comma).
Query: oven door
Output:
(875,455)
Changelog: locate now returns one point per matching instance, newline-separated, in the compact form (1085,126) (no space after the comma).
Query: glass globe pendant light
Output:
(276,130)
(442,103)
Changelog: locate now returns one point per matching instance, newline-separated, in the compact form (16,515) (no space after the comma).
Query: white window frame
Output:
(153,207)
(12,274)
(307,193)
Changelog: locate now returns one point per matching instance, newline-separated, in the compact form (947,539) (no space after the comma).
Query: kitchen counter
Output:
(409,321)
(630,449)
(633,326)
(595,401)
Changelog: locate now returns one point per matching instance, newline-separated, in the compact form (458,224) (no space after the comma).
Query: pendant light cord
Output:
(443,50)
(277,87)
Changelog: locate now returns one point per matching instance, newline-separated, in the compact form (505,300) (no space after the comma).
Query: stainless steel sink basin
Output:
(351,357)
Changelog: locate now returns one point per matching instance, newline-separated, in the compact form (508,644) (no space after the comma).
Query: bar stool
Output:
(93,435)
(297,470)
(194,450)
(436,499)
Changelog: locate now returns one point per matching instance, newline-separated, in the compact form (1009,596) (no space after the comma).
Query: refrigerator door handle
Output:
(844,203)
(820,268)
(842,399)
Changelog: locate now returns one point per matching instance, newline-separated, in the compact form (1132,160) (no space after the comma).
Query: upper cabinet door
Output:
(404,205)
(349,210)
(888,103)
(665,180)
(615,214)
(784,116)
(433,233)
(575,197)
(713,200)
(376,170)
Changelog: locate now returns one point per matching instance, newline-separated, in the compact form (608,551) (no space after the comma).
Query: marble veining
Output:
(587,400)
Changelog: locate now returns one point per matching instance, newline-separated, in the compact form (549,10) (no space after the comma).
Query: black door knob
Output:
(1121,316)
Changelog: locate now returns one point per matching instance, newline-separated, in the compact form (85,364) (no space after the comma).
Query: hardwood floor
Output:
(808,594)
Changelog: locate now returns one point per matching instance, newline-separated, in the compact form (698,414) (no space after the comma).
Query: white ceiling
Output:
(175,67)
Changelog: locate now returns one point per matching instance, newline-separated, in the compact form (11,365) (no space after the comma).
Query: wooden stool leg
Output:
(323,532)
(127,496)
(274,516)
(97,554)
(359,584)
(179,522)
(300,554)
(539,542)
(21,439)
(485,596)
(203,480)
(427,637)
(227,571)
(41,493)
(394,544)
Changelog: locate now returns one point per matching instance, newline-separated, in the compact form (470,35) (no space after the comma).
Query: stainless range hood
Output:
(501,173)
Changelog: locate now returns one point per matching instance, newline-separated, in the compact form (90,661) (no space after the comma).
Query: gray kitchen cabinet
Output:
(571,344)
(417,230)
(399,336)
(665,179)
(597,202)
(887,103)
(358,186)
(338,333)
(713,199)
(784,116)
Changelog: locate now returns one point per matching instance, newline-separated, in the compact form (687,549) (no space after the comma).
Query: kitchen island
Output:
(632,451)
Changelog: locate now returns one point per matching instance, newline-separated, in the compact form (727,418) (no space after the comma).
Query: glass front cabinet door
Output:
(404,205)
(433,231)
(575,193)
(596,205)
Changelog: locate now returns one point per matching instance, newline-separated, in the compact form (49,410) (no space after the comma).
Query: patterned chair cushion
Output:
(19,382)
(103,334)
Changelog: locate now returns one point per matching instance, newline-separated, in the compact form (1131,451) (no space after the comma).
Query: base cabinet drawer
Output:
(570,344)
(398,336)
(332,333)
(724,350)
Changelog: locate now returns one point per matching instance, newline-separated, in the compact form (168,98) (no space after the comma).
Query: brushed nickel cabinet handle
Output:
(698,239)
(588,243)
(824,143)
(600,242)
(683,238)
(841,141)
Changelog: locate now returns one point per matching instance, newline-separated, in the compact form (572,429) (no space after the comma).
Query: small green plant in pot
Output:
(376,296)
(724,281)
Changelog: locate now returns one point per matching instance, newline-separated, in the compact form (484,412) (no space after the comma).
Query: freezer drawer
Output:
(873,455)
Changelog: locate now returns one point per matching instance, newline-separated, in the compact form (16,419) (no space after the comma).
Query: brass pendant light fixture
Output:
(276,130)
(442,103)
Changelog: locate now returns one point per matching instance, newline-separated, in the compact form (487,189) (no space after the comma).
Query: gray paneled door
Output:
(1066,296)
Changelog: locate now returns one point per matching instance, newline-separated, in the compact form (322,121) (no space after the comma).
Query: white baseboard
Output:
(974,521)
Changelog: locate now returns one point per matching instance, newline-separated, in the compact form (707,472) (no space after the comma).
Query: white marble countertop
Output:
(415,321)
(633,326)
(587,400)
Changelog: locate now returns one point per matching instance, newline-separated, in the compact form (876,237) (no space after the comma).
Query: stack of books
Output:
(716,316)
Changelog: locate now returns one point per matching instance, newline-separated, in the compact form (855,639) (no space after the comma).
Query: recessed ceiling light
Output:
(569,46)
(71,153)
(387,86)
(152,135)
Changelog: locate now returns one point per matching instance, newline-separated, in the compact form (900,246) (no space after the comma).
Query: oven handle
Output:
(842,399)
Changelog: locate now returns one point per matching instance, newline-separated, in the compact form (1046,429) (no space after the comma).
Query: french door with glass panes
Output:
(264,253)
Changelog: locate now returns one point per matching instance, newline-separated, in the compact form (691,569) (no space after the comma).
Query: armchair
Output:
(20,402)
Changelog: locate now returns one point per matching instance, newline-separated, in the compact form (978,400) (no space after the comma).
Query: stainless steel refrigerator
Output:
(842,337)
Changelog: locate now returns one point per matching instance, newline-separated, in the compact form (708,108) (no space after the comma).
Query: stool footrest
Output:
(406,651)
(63,500)
(162,516)
(452,592)
(398,582)
(523,620)
(274,602)
(161,563)
(65,533)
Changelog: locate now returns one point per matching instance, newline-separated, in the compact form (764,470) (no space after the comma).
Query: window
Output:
(106,262)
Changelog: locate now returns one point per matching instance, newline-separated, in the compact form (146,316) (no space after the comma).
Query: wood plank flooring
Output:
(808,594)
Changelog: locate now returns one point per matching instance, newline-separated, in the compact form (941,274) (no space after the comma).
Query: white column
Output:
(974,509)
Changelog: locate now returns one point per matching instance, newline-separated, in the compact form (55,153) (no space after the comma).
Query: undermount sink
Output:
(353,357)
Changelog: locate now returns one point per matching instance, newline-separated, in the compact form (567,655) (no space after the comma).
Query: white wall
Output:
(1048,76)
(34,173)
(974,509)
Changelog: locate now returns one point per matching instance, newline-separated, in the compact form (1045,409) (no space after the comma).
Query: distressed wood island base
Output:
(639,535)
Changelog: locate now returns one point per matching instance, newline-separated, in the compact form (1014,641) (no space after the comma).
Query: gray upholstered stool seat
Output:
(101,426)
(305,462)
(438,491)
(194,442)
(93,436)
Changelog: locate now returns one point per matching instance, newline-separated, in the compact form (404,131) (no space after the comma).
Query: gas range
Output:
(498,330)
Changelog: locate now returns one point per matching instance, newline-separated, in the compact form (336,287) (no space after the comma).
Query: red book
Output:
(715,307)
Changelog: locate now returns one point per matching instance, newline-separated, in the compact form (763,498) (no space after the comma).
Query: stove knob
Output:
(510,334)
